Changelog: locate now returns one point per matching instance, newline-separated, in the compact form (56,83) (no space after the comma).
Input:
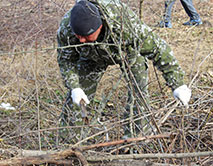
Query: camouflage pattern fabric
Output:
(123,37)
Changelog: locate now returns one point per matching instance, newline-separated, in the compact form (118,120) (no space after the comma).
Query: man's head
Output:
(85,21)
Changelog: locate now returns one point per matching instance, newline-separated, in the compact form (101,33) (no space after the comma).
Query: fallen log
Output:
(56,158)
(149,156)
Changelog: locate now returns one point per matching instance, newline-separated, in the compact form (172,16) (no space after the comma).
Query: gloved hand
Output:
(183,93)
(77,94)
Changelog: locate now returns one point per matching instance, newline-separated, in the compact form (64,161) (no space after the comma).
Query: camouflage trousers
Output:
(89,76)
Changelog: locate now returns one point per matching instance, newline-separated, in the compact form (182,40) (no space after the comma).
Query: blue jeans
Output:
(168,10)
(187,5)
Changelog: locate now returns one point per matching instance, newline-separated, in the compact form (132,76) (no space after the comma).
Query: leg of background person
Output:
(168,10)
(167,14)
(190,9)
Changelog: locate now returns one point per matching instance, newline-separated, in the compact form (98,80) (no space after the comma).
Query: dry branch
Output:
(142,156)
(131,162)
(56,158)
(125,141)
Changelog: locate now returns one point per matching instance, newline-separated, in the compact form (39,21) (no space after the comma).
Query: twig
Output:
(206,119)
(37,95)
(157,155)
(141,10)
(164,118)
(198,68)
(53,48)
(195,55)
(125,141)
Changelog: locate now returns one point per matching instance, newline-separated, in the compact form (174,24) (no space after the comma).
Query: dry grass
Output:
(30,80)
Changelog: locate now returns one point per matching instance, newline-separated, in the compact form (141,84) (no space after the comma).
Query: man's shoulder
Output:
(65,29)
(65,19)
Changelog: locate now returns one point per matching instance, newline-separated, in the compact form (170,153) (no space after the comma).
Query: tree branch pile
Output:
(66,157)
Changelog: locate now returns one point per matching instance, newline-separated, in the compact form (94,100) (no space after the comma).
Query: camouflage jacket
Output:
(125,34)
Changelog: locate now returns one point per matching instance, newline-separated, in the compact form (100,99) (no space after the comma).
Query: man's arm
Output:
(163,58)
(67,56)
(67,60)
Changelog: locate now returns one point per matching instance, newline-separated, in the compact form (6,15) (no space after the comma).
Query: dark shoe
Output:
(163,24)
(193,22)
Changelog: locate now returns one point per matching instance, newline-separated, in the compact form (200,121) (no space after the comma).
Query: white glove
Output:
(77,95)
(183,93)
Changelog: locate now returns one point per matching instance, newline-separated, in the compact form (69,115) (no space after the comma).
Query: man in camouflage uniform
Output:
(188,7)
(95,34)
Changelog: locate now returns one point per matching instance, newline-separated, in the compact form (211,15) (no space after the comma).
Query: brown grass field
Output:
(31,82)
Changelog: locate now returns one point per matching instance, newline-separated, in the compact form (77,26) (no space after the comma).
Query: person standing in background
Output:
(188,7)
